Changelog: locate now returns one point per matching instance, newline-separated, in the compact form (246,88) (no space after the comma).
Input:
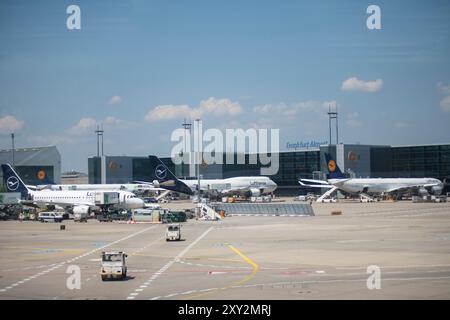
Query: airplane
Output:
(379,186)
(131,187)
(76,201)
(244,186)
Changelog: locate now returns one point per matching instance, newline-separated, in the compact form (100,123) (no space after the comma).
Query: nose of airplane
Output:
(137,203)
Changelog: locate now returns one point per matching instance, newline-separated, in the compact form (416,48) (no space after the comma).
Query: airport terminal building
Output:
(41,165)
(355,160)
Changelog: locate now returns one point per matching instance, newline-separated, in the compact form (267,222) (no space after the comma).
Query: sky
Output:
(140,67)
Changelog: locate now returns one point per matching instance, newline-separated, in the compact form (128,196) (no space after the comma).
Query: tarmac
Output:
(380,250)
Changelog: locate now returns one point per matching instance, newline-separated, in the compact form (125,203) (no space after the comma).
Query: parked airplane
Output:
(421,186)
(131,187)
(244,186)
(78,201)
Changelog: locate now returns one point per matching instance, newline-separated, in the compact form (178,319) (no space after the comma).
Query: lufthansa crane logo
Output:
(41,175)
(352,156)
(12,183)
(160,172)
(331,165)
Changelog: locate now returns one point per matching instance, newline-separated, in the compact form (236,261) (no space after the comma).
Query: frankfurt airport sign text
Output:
(259,144)
(305,145)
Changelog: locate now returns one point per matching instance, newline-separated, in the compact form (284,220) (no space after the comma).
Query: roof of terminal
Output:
(27,149)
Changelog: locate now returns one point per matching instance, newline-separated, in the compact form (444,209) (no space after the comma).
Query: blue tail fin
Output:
(13,182)
(333,170)
(166,178)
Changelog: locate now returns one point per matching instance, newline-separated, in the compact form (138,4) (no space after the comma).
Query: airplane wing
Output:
(411,188)
(143,182)
(315,183)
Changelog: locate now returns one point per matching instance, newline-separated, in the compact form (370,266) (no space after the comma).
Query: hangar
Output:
(40,165)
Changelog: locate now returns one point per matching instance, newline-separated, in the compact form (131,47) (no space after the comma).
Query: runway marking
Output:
(212,266)
(363,280)
(28,268)
(145,247)
(249,261)
(171,262)
(59,265)
(240,282)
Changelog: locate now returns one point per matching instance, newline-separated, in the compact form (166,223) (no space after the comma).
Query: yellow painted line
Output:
(249,261)
(240,282)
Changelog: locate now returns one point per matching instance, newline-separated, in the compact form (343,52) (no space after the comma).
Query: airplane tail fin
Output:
(13,182)
(333,170)
(162,176)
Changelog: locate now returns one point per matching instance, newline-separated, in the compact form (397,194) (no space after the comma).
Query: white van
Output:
(50,216)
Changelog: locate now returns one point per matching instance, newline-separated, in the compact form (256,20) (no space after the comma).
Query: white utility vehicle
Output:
(173,232)
(114,265)
(50,216)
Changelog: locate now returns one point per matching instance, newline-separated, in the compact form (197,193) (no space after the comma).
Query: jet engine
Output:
(436,190)
(253,192)
(81,209)
(156,183)
(422,192)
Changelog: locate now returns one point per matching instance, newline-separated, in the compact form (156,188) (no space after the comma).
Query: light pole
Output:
(99,133)
(12,140)
(333,115)
(198,121)
(187,127)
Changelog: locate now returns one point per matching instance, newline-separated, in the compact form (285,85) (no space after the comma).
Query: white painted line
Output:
(178,257)
(83,255)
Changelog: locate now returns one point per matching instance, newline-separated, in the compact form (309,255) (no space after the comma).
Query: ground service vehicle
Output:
(173,232)
(50,216)
(114,265)
(80,217)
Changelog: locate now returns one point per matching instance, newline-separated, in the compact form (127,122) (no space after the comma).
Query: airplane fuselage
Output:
(263,185)
(130,187)
(383,185)
(127,200)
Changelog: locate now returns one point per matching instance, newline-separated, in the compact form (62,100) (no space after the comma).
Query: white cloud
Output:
(50,140)
(84,126)
(10,124)
(400,125)
(445,104)
(354,84)
(353,120)
(443,88)
(213,106)
(220,107)
(295,108)
(113,121)
(115,100)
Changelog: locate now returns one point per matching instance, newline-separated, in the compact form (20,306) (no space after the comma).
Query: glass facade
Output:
(95,170)
(421,161)
(383,161)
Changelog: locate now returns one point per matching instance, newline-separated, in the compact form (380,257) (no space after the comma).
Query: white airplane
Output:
(421,186)
(78,201)
(245,186)
(131,187)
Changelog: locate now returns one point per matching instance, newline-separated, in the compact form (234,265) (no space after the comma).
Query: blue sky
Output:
(241,64)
